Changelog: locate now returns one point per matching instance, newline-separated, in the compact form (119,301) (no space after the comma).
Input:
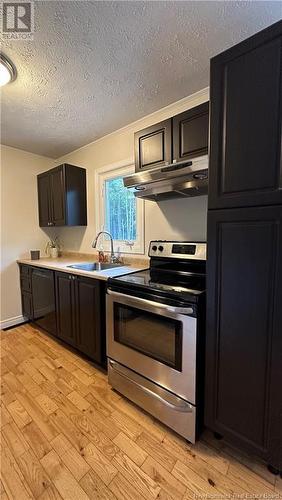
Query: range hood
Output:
(177,180)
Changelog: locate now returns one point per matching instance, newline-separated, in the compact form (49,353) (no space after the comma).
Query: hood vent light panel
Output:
(178,180)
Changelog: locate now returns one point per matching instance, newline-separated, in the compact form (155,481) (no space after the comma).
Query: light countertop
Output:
(62,263)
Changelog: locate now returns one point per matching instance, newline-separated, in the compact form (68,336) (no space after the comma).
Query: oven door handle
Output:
(176,310)
(182,407)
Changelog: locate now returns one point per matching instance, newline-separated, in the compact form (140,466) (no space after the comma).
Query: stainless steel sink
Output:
(94,266)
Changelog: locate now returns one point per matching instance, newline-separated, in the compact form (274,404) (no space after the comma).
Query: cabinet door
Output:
(88,318)
(44,200)
(153,146)
(65,306)
(245,138)
(27,305)
(190,133)
(244,325)
(43,294)
(58,196)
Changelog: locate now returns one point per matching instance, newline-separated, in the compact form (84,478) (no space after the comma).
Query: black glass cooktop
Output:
(182,285)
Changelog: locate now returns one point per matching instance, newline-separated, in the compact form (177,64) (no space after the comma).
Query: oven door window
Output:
(158,337)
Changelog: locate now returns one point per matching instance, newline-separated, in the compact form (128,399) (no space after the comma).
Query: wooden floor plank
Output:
(36,440)
(38,416)
(33,473)
(62,478)
(95,488)
(14,439)
(131,449)
(99,463)
(79,401)
(64,426)
(164,479)
(15,488)
(51,493)
(5,416)
(136,476)
(124,490)
(19,414)
(47,404)
(156,450)
(75,463)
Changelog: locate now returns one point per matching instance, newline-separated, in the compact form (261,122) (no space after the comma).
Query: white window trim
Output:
(101,174)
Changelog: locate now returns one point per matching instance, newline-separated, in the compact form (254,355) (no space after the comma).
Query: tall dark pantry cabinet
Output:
(244,288)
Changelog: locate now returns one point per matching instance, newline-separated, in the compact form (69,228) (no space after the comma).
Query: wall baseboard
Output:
(7,323)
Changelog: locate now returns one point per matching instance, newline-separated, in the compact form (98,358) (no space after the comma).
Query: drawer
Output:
(173,411)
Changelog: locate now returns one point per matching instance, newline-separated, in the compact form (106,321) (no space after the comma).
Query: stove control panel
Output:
(178,249)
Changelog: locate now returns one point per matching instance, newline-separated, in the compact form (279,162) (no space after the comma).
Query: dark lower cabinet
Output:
(88,317)
(66,305)
(79,307)
(26,295)
(43,299)
(27,305)
(244,329)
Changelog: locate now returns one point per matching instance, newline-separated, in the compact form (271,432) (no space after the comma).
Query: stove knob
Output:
(161,248)
(154,248)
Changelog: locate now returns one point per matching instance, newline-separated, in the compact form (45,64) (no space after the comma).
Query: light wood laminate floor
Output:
(67,435)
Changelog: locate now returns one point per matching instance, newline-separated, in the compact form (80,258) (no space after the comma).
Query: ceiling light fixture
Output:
(8,71)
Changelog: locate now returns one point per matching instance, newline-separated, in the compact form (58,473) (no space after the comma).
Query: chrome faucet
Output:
(113,258)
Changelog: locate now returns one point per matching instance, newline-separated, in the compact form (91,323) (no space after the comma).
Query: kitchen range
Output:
(155,335)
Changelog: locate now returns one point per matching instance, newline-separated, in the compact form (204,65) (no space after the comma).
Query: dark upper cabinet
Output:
(153,146)
(190,133)
(62,196)
(245,123)
(44,199)
(244,325)
(180,138)
(59,195)
(79,313)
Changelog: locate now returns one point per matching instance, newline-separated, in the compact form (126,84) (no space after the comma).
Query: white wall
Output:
(20,231)
(172,219)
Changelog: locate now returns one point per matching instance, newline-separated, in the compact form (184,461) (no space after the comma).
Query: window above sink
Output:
(117,210)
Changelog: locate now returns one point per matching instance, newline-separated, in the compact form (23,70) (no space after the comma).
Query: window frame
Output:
(102,174)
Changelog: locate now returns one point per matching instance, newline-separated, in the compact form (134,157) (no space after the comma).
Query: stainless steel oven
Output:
(152,335)
(156,340)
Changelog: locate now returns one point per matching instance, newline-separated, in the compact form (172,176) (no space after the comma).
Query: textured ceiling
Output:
(94,67)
